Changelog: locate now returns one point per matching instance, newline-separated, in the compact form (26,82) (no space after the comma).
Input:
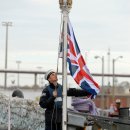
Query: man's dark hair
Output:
(17,93)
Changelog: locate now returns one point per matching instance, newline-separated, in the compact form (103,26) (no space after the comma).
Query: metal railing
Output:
(35,73)
(43,72)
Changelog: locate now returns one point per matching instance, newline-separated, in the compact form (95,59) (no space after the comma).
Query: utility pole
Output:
(6,24)
(65,6)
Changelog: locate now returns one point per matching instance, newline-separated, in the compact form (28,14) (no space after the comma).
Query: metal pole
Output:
(108,66)
(39,67)
(64,77)
(18,67)
(6,24)
(6,54)
(35,79)
(113,90)
(9,113)
(65,6)
(113,87)
(102,96)
(102,81)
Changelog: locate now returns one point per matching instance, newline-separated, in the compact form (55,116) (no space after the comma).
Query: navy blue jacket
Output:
(47,100)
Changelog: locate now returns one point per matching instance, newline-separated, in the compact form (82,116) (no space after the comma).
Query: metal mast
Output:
(65,6)
(6,24)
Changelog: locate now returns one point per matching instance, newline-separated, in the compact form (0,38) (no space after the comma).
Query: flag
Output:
(77,66)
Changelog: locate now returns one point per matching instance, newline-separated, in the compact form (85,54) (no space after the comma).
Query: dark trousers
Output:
(53,126)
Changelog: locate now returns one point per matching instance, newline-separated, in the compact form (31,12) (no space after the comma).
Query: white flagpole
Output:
(65,6)
(64,70)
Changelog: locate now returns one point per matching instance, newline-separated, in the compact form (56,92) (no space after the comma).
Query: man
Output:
(51,99)
(114,108)
(17,93)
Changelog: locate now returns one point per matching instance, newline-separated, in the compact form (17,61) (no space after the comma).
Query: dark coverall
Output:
(53,112)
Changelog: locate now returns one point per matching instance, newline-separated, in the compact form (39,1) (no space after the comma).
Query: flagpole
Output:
(65,6)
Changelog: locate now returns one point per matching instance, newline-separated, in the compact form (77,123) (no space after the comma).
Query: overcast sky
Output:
(34,36)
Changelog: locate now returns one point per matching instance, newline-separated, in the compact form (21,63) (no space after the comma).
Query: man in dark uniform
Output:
(51,99)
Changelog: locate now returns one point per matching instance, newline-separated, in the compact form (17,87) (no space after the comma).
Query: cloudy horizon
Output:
(34,34)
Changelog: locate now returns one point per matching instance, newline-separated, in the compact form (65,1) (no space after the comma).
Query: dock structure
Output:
(81,121)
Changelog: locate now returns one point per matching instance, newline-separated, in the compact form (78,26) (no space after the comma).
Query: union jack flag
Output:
(77,66)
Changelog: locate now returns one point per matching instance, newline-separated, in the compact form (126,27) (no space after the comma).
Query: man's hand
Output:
(55,84)
(55,93)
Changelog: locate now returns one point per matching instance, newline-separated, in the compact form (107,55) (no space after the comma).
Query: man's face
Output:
(53,78)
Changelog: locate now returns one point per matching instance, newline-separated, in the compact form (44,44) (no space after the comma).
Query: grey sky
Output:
(34,36)
(98,24)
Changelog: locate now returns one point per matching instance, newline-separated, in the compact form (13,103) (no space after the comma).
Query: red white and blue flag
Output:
(77,66)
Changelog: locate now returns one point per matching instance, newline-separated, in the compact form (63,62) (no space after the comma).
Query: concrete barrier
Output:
(24,114)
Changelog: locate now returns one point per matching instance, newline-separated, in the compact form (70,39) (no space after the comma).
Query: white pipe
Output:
(64,70)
